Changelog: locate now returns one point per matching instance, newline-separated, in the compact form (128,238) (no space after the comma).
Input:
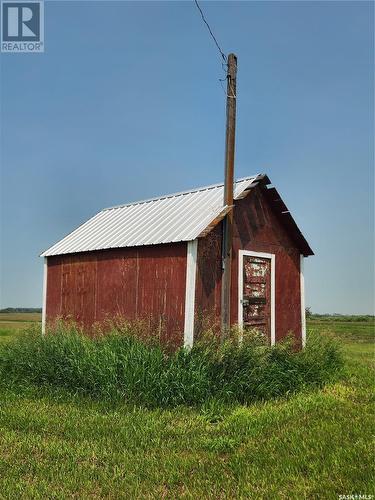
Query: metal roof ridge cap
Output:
(163,197)
(254,179)
(180,193)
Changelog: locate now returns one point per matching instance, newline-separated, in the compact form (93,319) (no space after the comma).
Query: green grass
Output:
(315,444)
(119,366)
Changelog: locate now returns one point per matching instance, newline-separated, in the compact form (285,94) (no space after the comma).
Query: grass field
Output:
(13,323)
(316,444)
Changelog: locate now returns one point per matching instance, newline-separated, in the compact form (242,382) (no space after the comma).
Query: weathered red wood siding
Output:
(256,228)
(208,281)
(132,283)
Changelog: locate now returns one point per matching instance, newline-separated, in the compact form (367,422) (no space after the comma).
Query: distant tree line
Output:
(338,316)
(21,310)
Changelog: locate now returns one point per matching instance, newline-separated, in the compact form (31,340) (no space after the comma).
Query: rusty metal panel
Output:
(173,218)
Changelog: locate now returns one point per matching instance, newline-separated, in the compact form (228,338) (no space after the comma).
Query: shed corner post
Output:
(44,306)
(191,270)
(273,299)
(303,307)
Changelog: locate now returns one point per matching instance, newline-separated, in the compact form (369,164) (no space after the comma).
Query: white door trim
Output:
(191,271)
(303,307)
(44,308)
(272,258)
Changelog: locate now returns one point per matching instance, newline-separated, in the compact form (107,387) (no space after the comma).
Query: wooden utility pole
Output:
(228,194)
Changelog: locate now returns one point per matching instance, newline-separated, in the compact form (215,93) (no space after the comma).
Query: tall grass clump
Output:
(121,366)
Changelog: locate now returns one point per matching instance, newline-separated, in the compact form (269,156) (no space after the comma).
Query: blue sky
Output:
(125,103)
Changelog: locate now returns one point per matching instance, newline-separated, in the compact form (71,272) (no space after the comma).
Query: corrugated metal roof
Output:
(176,217)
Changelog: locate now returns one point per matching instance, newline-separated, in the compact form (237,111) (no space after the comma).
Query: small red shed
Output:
(161,260)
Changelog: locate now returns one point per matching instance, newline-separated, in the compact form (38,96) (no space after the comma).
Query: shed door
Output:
(256,293)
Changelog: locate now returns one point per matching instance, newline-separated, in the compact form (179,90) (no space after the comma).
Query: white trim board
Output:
(191,271)
(303,307)
(44,311)
(272,258)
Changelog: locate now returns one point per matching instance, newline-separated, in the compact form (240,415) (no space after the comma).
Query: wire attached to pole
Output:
(211,33)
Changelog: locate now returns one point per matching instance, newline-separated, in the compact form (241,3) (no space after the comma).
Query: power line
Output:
(209,29)
(221,80)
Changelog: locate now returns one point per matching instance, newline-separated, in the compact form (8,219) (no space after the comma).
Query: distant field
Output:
(12,324)
(20,317)
(349,329)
